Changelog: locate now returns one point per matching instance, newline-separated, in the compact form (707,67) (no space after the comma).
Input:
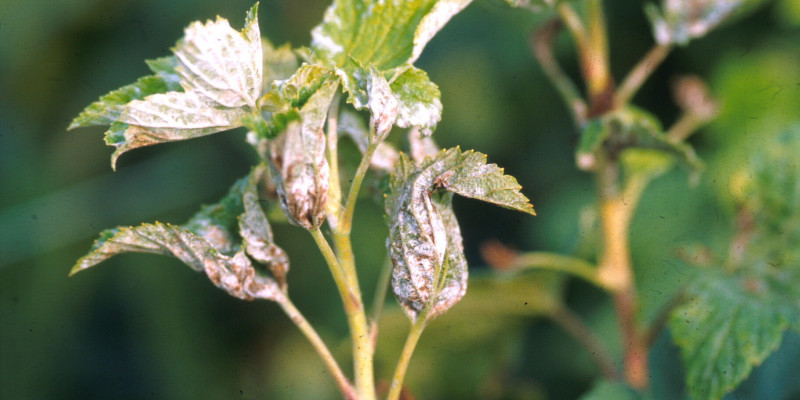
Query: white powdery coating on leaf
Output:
(420,114)
(383,104)
(433,22)
(177,110)
(321,41)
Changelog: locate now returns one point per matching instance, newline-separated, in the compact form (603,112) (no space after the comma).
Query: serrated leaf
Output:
(217,223)
(385,34)
(256,232)
(169,117)
(233,274)
(294,91)
(108,109)
(430,272)
(627,128)
(298,163)
(729,325)
(468,175)
(223,65)
(607,390)
(680,21)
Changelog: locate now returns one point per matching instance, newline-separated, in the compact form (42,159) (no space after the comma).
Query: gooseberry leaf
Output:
(729,325)
(109,107)
(678,22)
(382,104)
(430,271)
(279,63)
(235,274)
(419,98)
(385,34)
(298,163)
(218,223)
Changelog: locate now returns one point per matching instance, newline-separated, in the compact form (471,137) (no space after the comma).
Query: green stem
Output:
(405,357)
(347,283)
(573,325)
(542,47)
(319,346)
(558,262)
(596,62)
(639,74)
(346,218)
(334,201)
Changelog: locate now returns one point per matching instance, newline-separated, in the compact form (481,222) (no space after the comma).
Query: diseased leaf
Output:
(385,155)
(223,65)
(419,100)
(383,105)
(629,128)
(233,274)
(679,21)
(257,233)
(169,117)
(468,175)
(217,223)
(298,163)
(729,325)
(385,34)
(279,63)
(430,271)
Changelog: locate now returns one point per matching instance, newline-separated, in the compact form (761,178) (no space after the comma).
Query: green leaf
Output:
(233,274)
(217,223)
(430,272)
(628,128)
(298,163)
(678,22)
(221,64)
(385,34)
(295,91)
(729,325)
(419,100)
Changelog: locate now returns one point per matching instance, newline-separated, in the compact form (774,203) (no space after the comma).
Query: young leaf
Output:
(383,105)
(257,233)
(298,163)
(223,65)
(730,325)
(233,274)
(279,63)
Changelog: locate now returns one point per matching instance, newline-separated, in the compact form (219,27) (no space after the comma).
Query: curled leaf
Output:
(383,105)
(298,163)
(257,234)
(425,245)
(419,104)
(233,274)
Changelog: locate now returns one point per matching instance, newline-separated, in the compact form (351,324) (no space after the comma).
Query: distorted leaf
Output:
(679,21)
(217,223)
(256,232)
(279,63)
(383,106)
(297,89)
(385,155)
(233,274)
(298,162)
(424,242)
(221,64)
(629,128)
(421,146)
(419,100)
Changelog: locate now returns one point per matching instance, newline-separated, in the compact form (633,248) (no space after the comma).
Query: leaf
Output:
(233,274)
(607,390)
(468,175)
(419,100)
(678,22)
(298,164)
(729,325)
(218,223)
(279,63)
(385,34)
(169,117)
(383,105)
(108,109)
(430,271)
(257,233)
(627,128)
(223,65)
(385,155)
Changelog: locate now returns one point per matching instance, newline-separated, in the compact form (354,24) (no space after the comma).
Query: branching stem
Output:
(639,74)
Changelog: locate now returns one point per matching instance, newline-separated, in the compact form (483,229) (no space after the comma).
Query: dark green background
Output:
(142,326)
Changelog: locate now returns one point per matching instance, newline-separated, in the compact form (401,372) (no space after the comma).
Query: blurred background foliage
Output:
(144,326)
